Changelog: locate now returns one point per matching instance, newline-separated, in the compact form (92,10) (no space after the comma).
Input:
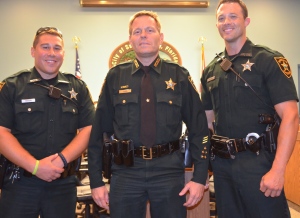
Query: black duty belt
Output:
(157,150)
(227,148)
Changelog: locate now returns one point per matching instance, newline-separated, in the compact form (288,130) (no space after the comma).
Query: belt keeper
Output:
(158,150)
(63,160)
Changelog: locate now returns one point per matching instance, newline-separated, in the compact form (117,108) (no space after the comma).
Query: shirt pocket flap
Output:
(29,107)
(125,99)
(169,98)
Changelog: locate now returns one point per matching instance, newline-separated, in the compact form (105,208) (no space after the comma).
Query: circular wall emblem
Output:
(124,52)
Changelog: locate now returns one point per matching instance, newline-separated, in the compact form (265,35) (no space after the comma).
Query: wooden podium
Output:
(292,174)
(202,209)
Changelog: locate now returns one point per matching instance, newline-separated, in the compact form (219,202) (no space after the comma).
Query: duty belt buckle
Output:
(144,156)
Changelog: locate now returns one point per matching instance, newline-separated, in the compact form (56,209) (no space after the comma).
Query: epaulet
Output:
(71,75)
(220,54)
(68,75)
(122,63)
(266,48)
(216,59)
(170,62)
(19,73)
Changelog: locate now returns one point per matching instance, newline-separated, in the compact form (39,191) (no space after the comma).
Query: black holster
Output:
(123,152)
(222,147)
(271,134)
(72,168)
(106,156)
(3,168)
(185,150)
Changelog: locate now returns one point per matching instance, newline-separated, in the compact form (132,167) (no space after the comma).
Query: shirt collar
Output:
(246,50)
(155,65)
(36,77)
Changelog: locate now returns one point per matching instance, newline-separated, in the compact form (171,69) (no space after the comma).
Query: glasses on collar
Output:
(48,29)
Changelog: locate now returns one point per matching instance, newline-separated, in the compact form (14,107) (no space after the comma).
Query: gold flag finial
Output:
(76,39)
(202,39)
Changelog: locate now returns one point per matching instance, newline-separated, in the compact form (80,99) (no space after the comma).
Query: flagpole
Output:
(76,40)
(202,39)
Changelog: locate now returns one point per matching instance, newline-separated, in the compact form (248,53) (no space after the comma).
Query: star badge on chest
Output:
(247,65)
(170,84)
(73,94)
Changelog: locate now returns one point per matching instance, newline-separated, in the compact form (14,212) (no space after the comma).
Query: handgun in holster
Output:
(106,156)
(185,150)
(72,168)
(271,133)
(3,168)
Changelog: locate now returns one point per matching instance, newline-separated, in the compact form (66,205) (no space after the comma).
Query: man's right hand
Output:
(101,197)
(47,170)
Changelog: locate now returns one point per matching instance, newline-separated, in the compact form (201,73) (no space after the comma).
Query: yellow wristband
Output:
(36,167)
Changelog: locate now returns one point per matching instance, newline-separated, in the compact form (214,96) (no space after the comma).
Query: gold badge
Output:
(73,94)
(247,65)
(170,84)
(284,66)
(1,85)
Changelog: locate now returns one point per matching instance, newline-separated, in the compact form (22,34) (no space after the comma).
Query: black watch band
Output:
(63,159)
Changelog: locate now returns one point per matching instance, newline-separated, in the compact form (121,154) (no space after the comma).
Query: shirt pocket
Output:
(69,118)
(214,90)
(29,116)
(245,97)
(126,106)
(168,108)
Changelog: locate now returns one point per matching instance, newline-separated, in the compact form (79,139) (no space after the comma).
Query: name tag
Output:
(123,91)
(28,100)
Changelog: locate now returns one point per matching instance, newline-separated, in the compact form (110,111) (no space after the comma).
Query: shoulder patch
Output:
(193,84)
(1,85)
(284,66)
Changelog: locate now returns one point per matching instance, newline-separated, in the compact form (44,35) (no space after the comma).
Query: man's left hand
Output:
(272,183)
(196,191)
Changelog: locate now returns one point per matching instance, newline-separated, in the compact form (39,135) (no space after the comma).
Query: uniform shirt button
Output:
(29,109)
(124,101)
(170,102)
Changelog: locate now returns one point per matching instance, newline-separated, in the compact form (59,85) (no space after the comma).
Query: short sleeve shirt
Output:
(235,105)
(44,125)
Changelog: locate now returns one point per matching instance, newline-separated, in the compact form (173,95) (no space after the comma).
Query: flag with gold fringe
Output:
(202,57)
(202,40)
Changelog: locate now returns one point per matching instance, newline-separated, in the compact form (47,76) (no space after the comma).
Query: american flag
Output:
(77,67)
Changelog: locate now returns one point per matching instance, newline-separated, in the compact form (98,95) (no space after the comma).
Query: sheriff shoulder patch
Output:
(284,66)
(192,82)
(1,85)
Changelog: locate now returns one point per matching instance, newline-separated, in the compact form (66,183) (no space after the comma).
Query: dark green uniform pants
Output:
(158,180)
(237,184)
(31,197)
